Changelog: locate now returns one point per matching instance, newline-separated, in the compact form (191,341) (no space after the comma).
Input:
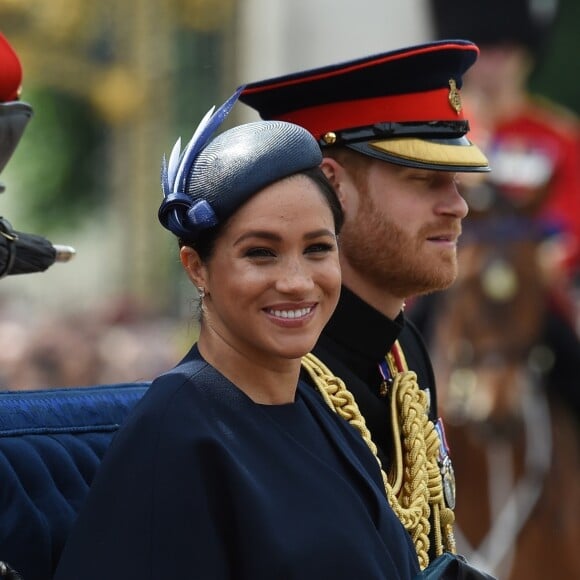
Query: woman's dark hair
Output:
(205,244)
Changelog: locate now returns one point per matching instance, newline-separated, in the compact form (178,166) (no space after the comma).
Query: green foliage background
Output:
(65,177)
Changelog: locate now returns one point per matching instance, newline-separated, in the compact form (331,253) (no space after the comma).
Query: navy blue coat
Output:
(203,483)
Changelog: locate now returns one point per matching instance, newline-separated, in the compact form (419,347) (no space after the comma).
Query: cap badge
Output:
(454,97)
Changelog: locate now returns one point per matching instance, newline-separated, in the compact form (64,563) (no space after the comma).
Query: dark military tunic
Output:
(352,345)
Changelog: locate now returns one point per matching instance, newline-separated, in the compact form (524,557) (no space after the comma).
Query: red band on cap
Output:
(416,107)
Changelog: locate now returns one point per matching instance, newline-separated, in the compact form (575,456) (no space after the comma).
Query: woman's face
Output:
(273,280)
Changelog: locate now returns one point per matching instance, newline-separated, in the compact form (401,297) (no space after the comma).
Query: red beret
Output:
(10,72)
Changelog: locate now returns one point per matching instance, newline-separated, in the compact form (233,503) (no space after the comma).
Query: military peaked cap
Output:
(402,106)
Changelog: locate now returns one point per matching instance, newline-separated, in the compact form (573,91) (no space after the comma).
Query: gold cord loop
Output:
(414,487)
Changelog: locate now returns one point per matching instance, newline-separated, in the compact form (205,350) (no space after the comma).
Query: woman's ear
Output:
(194,267)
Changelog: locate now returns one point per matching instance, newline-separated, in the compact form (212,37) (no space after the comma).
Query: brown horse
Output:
(515,446)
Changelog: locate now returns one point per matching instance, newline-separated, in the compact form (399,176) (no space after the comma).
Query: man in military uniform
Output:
(392,131)
(393,135)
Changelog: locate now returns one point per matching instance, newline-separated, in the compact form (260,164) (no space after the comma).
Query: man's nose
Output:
(452,203)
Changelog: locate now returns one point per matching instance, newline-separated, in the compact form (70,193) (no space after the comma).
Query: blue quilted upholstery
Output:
(51,444)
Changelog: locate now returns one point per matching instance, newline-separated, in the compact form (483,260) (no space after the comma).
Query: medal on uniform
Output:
(387,374)
(445,466)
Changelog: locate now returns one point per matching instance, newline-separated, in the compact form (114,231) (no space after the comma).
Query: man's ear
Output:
(194,267)
(336,174)
(331,169)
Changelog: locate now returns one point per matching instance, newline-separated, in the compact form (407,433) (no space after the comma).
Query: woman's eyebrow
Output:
(272,236)
(263,234)
(318,233)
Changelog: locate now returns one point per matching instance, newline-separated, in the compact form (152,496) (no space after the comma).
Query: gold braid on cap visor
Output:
(424,151)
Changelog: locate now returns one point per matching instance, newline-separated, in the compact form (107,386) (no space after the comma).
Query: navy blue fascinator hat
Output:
(207,182)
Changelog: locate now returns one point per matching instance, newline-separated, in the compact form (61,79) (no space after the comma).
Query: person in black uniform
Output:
(14,117)
(231,466)
(393,135)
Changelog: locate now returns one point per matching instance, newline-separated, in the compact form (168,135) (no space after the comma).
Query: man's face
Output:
(401,228)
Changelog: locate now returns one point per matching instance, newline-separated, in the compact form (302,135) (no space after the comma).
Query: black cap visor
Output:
(14,117)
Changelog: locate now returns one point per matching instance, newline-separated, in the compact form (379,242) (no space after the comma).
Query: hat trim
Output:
(339,70)
(424,106)
(430,152)
(430,130)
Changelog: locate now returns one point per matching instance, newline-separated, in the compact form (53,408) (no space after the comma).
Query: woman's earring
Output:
(201,291)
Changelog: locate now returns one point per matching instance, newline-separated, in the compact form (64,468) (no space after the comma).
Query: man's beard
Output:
(387,257)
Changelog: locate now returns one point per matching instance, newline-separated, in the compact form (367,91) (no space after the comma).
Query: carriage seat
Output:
(51,444)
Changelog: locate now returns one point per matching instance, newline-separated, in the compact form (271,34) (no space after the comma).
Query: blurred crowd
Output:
(111,344)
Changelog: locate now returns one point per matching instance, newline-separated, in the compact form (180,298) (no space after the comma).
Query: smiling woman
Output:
(270,286)
(231,466)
